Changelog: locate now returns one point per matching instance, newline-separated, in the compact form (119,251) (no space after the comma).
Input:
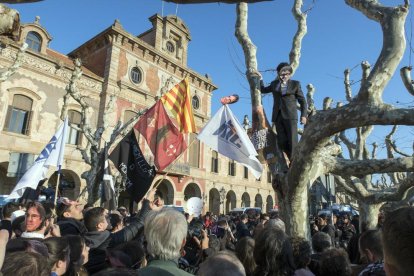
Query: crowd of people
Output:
(73,239)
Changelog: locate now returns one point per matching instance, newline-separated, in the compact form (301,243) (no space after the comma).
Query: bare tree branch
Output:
(249,50)
(16,64)
(300,17)
(374,150)
(392,21)
(349,189)
(395,193)
(309,99)
(366,70)
(364,167)
(327,103)
(350,146)
(347,83)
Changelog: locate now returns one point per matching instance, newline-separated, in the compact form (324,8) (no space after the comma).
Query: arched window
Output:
(136,75)
(19,115)
(34,41)
(170,47)
(196,102)
(74,135)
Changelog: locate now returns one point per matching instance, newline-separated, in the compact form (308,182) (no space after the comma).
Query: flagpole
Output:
(57,186)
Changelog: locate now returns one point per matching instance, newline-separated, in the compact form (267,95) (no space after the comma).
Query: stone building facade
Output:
(137,70)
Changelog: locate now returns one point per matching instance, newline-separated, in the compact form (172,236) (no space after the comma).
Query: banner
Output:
(224,134)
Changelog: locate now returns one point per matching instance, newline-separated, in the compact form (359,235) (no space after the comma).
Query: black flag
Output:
(130,162)
(106,181)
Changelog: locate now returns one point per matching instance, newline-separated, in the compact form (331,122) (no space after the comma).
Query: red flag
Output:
(165,141)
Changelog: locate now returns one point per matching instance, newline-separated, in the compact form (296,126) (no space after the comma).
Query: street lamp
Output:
(222,196)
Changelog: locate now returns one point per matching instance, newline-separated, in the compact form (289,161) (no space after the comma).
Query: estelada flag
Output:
(178,101)
(165,141)
(130,162)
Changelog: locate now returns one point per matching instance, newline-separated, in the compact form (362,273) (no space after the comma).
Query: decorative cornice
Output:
(50,69)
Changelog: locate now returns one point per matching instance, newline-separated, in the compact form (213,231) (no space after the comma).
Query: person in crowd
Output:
(244,251)
(302,256)
(100,239)
(253,221)
(273,253)
(123,211)
(196,247)
(326,227)
(18,224)
(337,224)
(355,223)
(276,222)
(398,242)
(264,218)
(28,245)
(117,222)
(4,238)
(59,255)
(117,271)
(286,94)
(348,231)
(135,251)
(223,263)
(335,261)
(213,244)
(320,243)
(70,216)
(241,229)
(165,232)
(224,234)
(208,222)
(353,247)
(52,229)
(25,263)
(370,246)
(79,255)
(35,222)
(7,212)
(118,259)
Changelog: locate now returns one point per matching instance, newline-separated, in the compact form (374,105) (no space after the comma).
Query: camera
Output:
(194,229)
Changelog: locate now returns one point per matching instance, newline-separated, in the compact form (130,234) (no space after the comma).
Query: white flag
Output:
(224,134)
(52,154)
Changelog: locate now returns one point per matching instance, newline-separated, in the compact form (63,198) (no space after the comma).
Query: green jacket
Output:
(162,268)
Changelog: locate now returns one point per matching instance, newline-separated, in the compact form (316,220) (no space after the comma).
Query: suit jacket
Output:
(286,104)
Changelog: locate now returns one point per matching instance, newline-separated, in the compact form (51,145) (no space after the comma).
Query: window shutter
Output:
(28,123)
(7,121)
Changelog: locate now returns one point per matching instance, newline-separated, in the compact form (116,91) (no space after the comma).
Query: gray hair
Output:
(165,232)
(276,222)
(222,263)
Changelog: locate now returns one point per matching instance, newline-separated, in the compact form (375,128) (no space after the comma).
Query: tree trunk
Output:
(368,215)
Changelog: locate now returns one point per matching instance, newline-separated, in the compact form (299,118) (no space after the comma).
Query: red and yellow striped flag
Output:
(178,101)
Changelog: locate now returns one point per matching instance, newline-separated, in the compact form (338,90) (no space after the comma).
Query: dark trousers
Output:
(287,134)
